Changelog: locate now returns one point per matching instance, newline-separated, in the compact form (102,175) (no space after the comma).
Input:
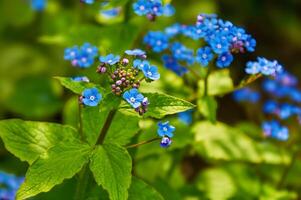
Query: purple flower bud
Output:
(165,142)
(80,99)
(145,102)
(74,62)
(113,86)
(123,79)
(117,89)
(151,17)
(125,61)
(119,82)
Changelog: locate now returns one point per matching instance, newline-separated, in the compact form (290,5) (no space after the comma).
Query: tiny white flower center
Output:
(92,98)
(109,61)
(141,7)
(219,46)
(204,56)
(223,58)
(164,129)
(132,99)
(149,73)
(159,42)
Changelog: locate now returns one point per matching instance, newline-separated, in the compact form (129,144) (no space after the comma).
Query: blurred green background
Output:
(31,52)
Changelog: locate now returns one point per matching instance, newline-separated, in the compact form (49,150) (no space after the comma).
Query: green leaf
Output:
(112,166)
(207,106)
(221,142)
(142,191)
(219,82)
(77,86)
(28,140)
(162,105)
(61,162)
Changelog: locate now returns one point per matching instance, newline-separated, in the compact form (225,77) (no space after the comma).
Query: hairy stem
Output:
(106,126)
(143,142)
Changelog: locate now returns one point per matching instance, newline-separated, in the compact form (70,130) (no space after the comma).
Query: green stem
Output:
(106,126)
(142,143)
(206,82)
(287,170)
(82,184)
(80,128)
(127,13)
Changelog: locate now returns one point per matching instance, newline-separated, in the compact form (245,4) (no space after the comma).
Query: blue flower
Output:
(9,185)
(219,45)
(142,7)
(204,56)
(150,72)
(133,97)
(186,117)
(168,10)
(135,52)
(224,60)
(140,63)
(252,68)
(172,64)
(71,53)
(87,1)
(270,107)
(165,129)
(158,41)
(80,79)
(165,142)
(275,130)
(182,53)
(89,49)
(246,95)
(91,97)
(173,30)
(109,59)
(250,44)
(38,5)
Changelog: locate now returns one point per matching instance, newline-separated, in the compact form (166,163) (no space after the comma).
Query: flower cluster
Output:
(152,9)
(38,5)
(82,56)
(126,73)
(222,40)
(274,129)
(9,185)
(283,102)
(165,130)
(263,66)
(246,95)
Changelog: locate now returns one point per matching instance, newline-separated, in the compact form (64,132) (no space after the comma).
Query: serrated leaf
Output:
(207,106)
(162,105)
(61,162)
(219,82)
(77,86)
(142,191)
(221,142)
(28,140)
(111,166)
